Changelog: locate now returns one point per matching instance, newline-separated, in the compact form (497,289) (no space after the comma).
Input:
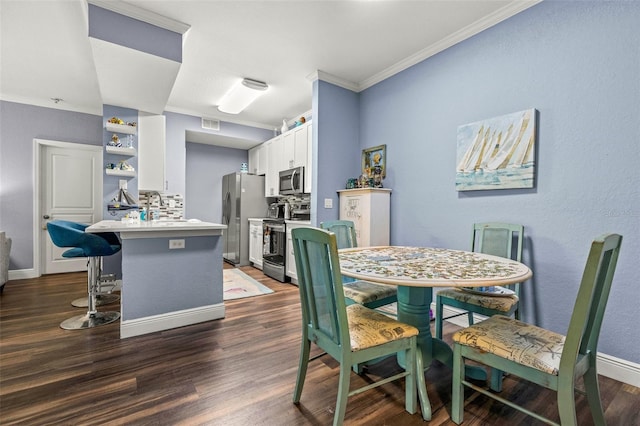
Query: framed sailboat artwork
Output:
(498,153)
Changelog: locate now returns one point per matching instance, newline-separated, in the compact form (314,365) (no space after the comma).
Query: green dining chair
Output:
(365,293)
(489,238)
(541,356)
(350,334)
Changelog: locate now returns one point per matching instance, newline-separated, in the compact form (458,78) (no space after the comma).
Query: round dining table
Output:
(416,270)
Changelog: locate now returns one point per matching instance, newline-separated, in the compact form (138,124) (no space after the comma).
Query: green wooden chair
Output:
(495,239)
(542,356)
(350,334)
(365,293)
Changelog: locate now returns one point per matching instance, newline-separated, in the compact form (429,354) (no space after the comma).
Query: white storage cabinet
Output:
(369,209)
(256,241)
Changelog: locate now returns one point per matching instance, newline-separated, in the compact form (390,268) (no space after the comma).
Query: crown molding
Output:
(140,14)
(469,31)
(330,78)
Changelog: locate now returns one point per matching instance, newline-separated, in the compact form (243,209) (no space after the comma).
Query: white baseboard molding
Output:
(22,274)
(151,324)
(608,366)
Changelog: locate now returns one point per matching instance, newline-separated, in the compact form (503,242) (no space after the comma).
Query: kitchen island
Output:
(171,273)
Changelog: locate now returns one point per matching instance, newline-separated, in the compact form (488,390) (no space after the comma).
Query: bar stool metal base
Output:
(101,299)
(81,322)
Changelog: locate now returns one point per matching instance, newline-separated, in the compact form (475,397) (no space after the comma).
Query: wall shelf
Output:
(121,151)
(118,172)
(121,128)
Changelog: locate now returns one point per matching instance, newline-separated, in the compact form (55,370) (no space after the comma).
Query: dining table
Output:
(416,271)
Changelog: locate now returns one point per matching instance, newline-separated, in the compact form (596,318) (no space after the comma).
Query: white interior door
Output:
(70,189)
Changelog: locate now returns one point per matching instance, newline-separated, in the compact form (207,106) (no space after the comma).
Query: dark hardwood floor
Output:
(236,371)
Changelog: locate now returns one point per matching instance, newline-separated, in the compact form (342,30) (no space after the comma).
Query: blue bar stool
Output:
(93,246)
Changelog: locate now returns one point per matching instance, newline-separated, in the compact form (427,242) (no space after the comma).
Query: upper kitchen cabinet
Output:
(275,163)
(258,160)
(296,146)
(151,153)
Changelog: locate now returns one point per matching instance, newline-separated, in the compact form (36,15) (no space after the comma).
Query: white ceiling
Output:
(46,53)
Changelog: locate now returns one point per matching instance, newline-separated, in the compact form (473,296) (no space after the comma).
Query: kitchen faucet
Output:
(149,195)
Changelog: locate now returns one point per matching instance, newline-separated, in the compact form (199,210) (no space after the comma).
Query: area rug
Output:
(238,285)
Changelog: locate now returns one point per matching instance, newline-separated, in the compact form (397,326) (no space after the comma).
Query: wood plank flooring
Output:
(236,371)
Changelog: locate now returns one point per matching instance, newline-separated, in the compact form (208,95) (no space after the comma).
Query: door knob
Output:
(46,216)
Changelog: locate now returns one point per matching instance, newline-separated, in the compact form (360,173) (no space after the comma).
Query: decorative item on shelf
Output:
(300,122)
(363,181)
(123,165)
(110,166)
(284,127)
(115,141)
(352,183)
(132,124)
(115,120)
(244,168)
(372,157)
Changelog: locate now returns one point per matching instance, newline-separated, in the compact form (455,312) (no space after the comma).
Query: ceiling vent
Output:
(210,124)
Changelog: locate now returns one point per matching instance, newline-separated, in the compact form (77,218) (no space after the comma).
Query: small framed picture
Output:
(374,157)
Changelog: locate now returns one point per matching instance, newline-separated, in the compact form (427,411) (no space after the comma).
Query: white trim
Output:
(335,80)
(38,144)
(144,15)
(22,274)
(151,324)
(609,366)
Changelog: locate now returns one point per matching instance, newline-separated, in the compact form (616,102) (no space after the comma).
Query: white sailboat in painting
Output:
(501,155)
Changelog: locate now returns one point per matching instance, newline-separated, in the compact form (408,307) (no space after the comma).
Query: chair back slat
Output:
(320,285)
(345,232)
(497,239)
(591,301)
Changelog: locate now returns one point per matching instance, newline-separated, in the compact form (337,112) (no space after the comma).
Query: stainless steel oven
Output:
(274,249)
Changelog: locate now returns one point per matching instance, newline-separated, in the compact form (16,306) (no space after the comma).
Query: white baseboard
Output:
(151,324)
(22,274)
(608,366)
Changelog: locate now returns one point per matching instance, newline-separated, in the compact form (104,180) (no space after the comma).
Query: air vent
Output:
(210,123)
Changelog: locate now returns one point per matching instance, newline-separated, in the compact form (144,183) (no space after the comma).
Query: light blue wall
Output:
(578,64)
(19,125)
(335,144)
(206,164)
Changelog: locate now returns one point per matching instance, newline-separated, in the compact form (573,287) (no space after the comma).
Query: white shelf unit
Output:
(370,210)
(121,128)
(118,172)
(121,151)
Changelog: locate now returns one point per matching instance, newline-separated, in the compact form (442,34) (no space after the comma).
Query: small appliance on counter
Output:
(276,211)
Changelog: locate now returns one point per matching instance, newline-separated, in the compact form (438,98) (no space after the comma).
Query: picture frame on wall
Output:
(372,157)
(497,153)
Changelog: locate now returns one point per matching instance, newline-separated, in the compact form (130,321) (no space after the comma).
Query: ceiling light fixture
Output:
(241,95)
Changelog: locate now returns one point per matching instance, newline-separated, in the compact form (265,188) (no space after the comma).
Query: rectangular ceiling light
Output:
(241,95)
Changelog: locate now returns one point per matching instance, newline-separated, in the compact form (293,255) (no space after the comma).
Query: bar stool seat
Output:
(93,246)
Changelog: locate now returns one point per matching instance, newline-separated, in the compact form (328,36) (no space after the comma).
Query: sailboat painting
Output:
(498,153)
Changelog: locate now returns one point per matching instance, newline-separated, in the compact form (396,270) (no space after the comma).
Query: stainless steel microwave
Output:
(291,181)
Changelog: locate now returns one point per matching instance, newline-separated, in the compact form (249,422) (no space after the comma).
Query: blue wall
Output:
(206,164)
(578,64)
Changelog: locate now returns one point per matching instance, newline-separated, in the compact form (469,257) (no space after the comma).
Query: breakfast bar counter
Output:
(171,273)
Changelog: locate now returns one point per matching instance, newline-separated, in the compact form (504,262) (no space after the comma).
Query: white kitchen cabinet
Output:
(257,160)
(256,241)
(151,153)
(369,209)
(296,147)
(275,148)
(290,262)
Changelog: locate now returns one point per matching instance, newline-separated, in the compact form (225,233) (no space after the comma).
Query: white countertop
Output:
(159,228)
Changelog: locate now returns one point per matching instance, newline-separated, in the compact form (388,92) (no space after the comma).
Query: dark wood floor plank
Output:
(236,371)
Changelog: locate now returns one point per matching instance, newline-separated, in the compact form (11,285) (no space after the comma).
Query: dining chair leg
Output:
(470,317)
(593,395)
(439,320)
(425,405)
(343,394)
(457,388)
(411,396)
(496,380)
(567,402)
(302,368)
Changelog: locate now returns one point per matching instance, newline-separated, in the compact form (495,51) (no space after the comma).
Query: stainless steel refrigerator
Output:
(242,198)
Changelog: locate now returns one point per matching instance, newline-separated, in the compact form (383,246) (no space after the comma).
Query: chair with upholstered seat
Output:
(365,293)
(541,356)
(350,334)
(489,238)
(64,233)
